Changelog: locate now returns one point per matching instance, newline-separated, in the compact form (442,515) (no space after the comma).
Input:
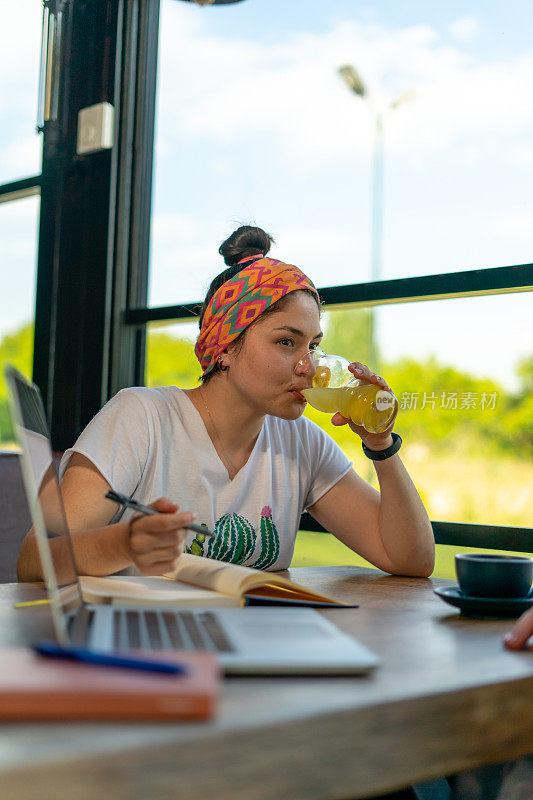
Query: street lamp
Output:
(352,79)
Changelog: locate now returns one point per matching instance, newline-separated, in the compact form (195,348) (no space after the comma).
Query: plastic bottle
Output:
(334,388)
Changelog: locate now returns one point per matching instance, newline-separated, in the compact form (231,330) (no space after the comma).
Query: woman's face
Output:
(265,371)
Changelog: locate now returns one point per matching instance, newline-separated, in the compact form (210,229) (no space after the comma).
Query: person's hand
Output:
(156,541)
(374,441)
(522,630)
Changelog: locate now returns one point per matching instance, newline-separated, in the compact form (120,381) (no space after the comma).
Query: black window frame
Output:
(17,190)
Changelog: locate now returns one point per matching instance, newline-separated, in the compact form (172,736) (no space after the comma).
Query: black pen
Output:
(130,503)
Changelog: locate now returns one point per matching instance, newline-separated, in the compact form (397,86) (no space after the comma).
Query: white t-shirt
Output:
(150,443)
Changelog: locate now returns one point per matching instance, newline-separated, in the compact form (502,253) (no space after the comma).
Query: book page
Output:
(234,580)
(211,574)
(144,590)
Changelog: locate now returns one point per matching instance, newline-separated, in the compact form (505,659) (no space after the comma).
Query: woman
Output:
(236,450)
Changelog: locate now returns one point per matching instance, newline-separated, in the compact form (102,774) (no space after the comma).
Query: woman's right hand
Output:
(155,541)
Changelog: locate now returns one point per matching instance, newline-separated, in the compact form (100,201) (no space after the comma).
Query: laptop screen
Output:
(44,495)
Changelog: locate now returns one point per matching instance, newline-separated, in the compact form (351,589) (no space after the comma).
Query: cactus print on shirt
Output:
(237,538)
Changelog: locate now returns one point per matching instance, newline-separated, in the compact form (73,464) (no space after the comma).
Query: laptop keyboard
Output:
(157,630)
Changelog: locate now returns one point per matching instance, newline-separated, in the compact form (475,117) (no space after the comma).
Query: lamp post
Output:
(352,79)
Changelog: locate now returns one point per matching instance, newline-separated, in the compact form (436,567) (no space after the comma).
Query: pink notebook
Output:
(35,687)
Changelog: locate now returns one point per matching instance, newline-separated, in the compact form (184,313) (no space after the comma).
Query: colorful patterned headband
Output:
(242,299)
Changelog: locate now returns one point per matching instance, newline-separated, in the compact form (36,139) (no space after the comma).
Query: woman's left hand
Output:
(374,441)
(522,631)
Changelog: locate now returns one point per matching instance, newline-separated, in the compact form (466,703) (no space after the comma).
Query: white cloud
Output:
(180,266)
(20,40)
(515,223)
(187,261)
(464,29)
(171,225)
(227,90)
(321,252)
(18,257)
(521,154)
(22,157)
(18,224)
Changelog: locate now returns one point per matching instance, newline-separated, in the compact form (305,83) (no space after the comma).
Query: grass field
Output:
(322,549)
(456,486)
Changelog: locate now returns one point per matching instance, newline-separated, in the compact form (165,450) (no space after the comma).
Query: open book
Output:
(199,581)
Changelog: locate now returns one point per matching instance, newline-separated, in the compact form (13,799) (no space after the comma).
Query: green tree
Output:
(347,333)
(516,432)
(524,370)
(439,402)
(170,361)
(17,349)
(429,414)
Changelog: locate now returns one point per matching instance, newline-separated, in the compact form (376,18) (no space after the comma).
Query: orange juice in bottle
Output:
(334,388)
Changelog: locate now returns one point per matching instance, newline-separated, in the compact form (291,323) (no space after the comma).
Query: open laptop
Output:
(249,640)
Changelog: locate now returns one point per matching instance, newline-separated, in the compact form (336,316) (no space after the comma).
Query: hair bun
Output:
(245,241)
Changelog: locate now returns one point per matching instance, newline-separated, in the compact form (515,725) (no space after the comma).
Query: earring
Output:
(220,363)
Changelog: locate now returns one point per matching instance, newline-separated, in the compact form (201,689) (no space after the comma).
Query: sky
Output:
(254,125)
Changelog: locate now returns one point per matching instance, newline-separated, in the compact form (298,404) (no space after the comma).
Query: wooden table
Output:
(447,697)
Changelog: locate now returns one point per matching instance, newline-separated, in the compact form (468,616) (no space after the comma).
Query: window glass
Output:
(19,221)
(20,45)
(255,125)
(462,371)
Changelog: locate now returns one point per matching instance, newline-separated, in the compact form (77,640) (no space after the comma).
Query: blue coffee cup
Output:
(493,575)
